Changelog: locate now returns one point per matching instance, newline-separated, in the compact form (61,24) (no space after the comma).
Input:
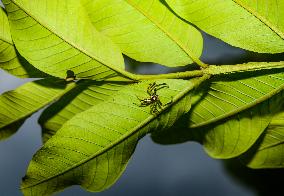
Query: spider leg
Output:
(152,109)
(163,84)
(143,105)
(151,87)
(154,92)
(159,103)
(160,86)
(155,111)
(141,100)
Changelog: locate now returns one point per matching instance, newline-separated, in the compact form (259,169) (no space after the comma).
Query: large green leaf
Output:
(231,95)
(236,135)
(92,148)
(268,152)
(18,104)
(253,25)
(147,31)
(227,138)
(60,37)
(220,100)
(9,59)
(81,98)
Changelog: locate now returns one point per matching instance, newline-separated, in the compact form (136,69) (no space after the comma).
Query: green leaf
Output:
(60,37)
(147,31)
(237,134)
(230,137)
(10,61)
(231,95)
(84,96)
(268,151)
(18,104)
(253,25)
(217,101)
(92,148)
(5,29)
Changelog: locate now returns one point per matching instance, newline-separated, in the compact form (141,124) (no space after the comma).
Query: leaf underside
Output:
(227,116)
(91,133)
(93,147)
(268,151)
(84,96)
(45,27)
(10,61)
(253,25)
(225,98)
(146,31)
(18,104)
(236,135)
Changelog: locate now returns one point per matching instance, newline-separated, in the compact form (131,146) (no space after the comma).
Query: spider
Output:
(153,101)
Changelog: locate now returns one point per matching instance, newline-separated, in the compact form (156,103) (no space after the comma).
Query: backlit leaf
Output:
(229,96)
(18,104)
(60,37)
(268,151)
(253,25)
(147,31)
(92,148)
(10,61)
(84,96)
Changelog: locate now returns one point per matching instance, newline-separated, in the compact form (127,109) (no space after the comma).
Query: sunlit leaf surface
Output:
(92,148)
(268,152)
(10,61)
(48,27)
(229,96)
(230,118)
(146,31)
(84,96)
(18,104)
(234,136)
(253,25)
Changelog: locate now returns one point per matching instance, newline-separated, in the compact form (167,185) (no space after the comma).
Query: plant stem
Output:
(178,75)
(253,66)
(210,70)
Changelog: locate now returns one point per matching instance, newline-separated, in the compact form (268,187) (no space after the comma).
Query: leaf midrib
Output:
(123,138)
(188,52)
(6,41)
(261,18)
(240,109)
(271,145)
(69,42)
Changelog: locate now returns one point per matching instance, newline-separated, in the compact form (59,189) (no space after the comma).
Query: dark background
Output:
(155,170)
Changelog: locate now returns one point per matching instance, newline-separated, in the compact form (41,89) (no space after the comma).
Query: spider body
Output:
(153,101)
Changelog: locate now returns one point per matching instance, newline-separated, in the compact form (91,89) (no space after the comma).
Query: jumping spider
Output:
(153,101)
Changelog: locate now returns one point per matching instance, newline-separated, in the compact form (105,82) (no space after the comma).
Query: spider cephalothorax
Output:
(153,101)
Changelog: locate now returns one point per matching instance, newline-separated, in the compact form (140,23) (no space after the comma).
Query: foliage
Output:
(94,118)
